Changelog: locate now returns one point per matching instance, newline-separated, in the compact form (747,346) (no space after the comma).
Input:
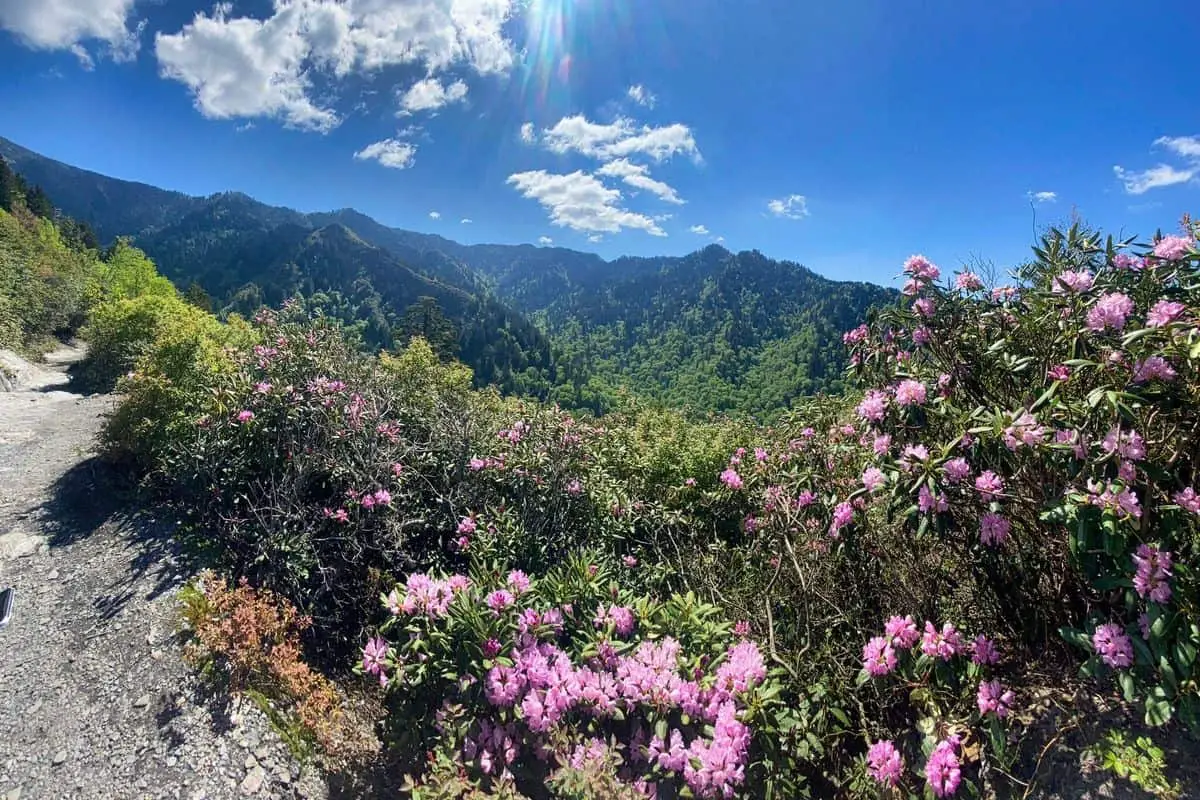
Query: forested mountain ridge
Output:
(712,330)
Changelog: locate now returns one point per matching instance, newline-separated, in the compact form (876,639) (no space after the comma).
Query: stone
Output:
(59,758)
(142,701)
(19,544)
(253,781)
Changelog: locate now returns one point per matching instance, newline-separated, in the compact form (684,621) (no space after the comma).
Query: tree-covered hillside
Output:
(714,331)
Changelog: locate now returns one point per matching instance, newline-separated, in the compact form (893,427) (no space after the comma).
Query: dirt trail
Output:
(94,699)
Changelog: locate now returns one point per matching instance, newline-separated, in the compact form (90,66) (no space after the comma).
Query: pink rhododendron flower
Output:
(1126,261)
(993,698)
(620,617)
(467,526)
(374,656)
(689,482)
(518,582)
(910,393)
(741,629)
(1126,444)
(989,484)
(1072,281)
(1059,372)
(921,336)
(956,470)
(1024,431)
(879,658)
(1153,368)
(760,454)
(1152,579)
(968,282)
(993,529)
(383,497)
(1003,293)
(873,478)
(499,600)
(731,479)
(1144,625)
(843,514)
(1188,500)
(881,444)
(574,487)
(1163,313)
(245,415)
(902,631)
(943,772)
(1172,248)
(858,334)
(943,644)
(984,651)
(368,501)
(920,267)
(874,406)
(1110,311)
(477,464)
(1116,498)
(629,561)
(884,763)
(1113,645)
(924,306)
(804,499)
(927,501)
(913,455)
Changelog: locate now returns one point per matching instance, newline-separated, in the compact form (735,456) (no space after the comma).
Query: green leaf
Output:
(1125,679)
(1158,711)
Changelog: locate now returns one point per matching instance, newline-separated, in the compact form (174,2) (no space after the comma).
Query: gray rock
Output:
(59,758)
(142,701)
(19,544)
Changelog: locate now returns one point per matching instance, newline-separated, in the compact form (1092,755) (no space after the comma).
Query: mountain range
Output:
(713,330)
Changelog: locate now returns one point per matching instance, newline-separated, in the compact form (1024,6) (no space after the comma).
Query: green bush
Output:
(43,282)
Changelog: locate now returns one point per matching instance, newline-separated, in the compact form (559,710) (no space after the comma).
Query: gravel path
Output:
(94,699)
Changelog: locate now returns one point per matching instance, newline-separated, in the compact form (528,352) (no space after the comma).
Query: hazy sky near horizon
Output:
(844,136)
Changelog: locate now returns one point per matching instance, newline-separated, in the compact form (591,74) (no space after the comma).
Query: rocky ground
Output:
(95,701)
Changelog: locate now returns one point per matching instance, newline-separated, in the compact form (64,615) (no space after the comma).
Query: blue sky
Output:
(844,136)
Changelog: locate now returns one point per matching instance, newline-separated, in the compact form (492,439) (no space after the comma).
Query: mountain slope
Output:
(713,330)
(112,207)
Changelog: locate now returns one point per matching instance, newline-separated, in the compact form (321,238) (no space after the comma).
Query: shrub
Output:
(251,640)
(527,683)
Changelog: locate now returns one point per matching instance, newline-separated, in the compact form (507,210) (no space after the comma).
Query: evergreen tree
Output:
(10,187)
(424,318)
(39,203)
(196,295)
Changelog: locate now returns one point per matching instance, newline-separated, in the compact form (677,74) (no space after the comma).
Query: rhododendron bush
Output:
(519,680)
(868,596)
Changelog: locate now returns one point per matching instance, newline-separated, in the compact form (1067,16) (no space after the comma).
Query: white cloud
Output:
(619,139)
(465,221)
(699,230)
(637,176)
(527,134)
(581,202)
(430,95)
(794,206)
(1043,197)
(595,238)
(719,239)
(435,215)
(251,67)
(642,96)
(545,241)
(390,153)
(1153,178)
(1185,146)
(67,24)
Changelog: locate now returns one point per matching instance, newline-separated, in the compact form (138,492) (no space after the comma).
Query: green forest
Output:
(713,331)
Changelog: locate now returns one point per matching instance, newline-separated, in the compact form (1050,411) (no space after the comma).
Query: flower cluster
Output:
(531,689)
